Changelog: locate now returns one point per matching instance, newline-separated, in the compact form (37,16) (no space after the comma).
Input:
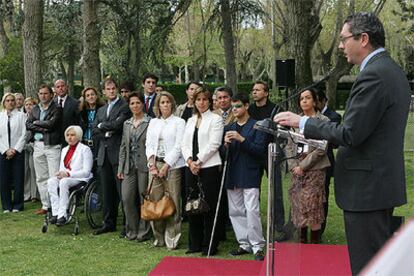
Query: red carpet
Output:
(291,259)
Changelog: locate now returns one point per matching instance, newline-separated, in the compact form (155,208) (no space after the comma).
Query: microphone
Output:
(268,126)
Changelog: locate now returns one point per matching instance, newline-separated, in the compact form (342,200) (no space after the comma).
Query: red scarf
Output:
(68,156)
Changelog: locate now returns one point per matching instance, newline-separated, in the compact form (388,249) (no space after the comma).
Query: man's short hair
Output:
(321,95)
(367,22)
(150,76)
(265,85)
(240,97)
(109,81)
(47,87)
(224,89)
(128,85)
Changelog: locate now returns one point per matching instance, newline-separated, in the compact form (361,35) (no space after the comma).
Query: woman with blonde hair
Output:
(163,150)
(12,141)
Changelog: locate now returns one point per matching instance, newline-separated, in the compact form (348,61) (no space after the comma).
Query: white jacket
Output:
(17,130)
(80,164)
(210,135)
(173,128)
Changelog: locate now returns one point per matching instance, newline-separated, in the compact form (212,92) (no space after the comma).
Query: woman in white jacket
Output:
(12,140)
(163,150)
(75,166)
(202,139)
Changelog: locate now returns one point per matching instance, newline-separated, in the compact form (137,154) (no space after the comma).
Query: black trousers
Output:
(200,226)
(326,204)
(12,175)
(111,187)
(366,233)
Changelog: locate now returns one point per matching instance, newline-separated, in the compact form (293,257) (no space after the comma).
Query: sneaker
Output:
(15,211)
(239,251)
(259,256)
(6,211)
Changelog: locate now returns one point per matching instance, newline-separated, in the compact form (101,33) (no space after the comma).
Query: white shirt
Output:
(63,100)
(172,131)
(17,129)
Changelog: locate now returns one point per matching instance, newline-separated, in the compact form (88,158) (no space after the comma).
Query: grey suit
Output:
(108,131)
(135,178)
(369,172)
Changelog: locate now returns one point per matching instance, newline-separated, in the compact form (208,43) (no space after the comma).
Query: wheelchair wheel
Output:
(94,205)
(73,202)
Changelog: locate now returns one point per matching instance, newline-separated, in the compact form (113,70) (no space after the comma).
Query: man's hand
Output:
(233,135)
(287,119)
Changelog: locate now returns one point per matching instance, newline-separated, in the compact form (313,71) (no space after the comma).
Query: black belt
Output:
(159,159)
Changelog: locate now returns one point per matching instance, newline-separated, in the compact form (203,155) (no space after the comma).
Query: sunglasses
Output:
(236,105)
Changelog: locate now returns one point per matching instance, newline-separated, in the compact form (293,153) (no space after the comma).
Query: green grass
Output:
(24,250)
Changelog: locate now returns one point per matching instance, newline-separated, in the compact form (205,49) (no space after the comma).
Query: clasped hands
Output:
(161,173)
(61,174)
(232,135)
(10,153)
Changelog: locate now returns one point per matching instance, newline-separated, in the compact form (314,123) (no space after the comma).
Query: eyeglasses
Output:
(236,105)
(344,39)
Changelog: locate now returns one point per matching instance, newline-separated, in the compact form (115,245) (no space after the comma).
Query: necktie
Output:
(9,131)
(61,102)
(147,104)
(109,109)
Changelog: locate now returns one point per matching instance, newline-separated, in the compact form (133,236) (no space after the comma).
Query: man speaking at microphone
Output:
(369,173)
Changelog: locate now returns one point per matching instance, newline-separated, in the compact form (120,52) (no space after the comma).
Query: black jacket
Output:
(50,127)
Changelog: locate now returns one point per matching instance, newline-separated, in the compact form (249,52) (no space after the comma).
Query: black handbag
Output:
(199,205)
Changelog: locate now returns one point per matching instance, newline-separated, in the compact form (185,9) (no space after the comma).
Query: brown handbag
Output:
(156,210)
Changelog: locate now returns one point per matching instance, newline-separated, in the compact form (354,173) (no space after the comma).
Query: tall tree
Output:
(32,45)
(228,43)
(91,67)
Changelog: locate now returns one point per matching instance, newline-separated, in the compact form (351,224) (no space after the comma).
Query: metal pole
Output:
(272,153)
(223,177)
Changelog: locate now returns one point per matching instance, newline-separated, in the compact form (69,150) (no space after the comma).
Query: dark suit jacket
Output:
(70,114)
(50,127)
(336,118)
(244,166)
(151,107)
(113,124)
(369,173)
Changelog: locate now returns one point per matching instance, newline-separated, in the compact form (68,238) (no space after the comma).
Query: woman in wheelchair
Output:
(75,167)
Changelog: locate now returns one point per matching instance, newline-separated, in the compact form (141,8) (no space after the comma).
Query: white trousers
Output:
(59,198)
(244,211)
(46,163)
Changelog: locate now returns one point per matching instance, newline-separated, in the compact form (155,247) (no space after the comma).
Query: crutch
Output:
(223,177)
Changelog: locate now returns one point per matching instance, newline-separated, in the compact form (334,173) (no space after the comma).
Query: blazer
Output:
(151,107)
(80,164)
(113,125)
(50,127)
(369,172)
(210,134)
(244,159)
(172,127)
(337,118)
(70,114)
(316,159)
(124,150)
(230,118)
(17,131)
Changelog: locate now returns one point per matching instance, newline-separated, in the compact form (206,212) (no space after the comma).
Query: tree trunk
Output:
(71,68)
(228,41)
(32,45)
(91,65)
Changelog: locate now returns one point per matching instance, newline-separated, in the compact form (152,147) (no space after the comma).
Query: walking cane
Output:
(223,177)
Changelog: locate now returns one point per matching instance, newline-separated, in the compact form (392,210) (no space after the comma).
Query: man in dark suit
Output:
(369,172)
(107,128)
(336,118)
(70,107)
(149,82)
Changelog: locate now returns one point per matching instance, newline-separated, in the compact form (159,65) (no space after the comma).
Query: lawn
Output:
(25,250)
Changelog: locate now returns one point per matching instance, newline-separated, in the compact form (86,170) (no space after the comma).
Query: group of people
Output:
(143,139)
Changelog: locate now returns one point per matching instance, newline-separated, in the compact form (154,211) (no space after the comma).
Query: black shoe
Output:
(104,229)
(192,251)
(259,256)
(239,251)
(212,252)
(61,221)
(284,236)
(142,239)
(122,234)
(53,220)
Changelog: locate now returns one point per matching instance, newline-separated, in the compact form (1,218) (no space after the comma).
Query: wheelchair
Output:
(86,196)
